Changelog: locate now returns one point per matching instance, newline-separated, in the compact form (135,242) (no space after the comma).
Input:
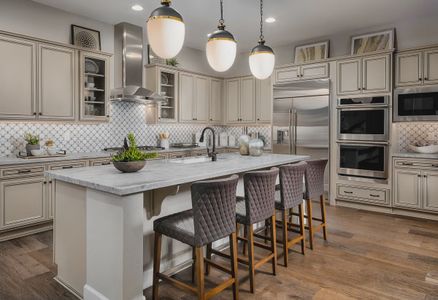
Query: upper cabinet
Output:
(194,94)
(44,81)
(216,102)
(240,100)
(94,86)
(165,81)
(417,67)
(264,100)
(303,72)
(57,82)
(369,74)
(17,78)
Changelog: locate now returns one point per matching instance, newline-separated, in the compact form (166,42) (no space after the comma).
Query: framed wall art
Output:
(372,42)
(312,52)
(85,37)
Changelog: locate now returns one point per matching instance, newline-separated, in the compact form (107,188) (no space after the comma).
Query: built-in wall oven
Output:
(363,119)
(363,159)
(416,104)
(363,136)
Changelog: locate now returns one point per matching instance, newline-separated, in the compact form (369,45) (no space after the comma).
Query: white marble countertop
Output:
(165,173)
(415,155)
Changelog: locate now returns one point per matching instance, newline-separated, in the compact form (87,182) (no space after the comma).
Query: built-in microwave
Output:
(416,104)
(363,124)
(363,159)
(363,101)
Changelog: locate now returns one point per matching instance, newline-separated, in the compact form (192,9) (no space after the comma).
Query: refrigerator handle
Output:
(292,134)
(295,125)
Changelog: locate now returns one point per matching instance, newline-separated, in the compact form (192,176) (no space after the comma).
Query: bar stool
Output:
(258,205)
(314,178)
(212,218)
(287,198)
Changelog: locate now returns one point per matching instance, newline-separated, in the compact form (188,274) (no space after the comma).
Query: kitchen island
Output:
(103,230)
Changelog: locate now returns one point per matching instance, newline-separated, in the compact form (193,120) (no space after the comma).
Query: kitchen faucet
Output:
(211,154)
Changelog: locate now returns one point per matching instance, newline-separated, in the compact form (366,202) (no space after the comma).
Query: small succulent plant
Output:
(130,152)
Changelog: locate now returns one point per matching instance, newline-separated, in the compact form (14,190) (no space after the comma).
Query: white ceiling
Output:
(297,20)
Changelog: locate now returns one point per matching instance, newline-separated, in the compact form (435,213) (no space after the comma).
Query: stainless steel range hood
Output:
(128,66)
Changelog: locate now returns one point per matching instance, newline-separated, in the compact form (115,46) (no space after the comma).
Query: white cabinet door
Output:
(314,71)
(247,99)
(23,201)
(187,97)
(407,188)
(17,78)
(409,69)
(57,82)
(431,67)
(376,74)
(202,98)
(430,190)
(216,101)
(232,88)
(349,76)
(287,74)
(264,100)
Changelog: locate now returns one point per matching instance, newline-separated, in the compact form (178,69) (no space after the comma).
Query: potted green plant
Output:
(33,142)
(172,62)
(131,159)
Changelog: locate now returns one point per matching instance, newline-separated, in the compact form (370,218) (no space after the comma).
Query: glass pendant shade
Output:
(262,61)
(166,31)
(221,50)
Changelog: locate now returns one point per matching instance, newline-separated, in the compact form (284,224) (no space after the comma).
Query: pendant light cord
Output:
(221,20)
(262,38)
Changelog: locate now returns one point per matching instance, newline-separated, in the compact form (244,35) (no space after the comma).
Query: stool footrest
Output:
(177,282)
(217,266)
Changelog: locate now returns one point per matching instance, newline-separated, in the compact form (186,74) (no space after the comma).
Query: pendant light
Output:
(166,31)
(221,46)
(261,58)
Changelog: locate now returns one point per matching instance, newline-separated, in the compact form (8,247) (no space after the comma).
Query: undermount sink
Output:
(191,160)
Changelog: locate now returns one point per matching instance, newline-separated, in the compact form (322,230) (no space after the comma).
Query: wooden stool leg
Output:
(245,235)
(302,229)
(266,230)
(309,221)
(285,239)
(251,257)
(233,253)
(274,245)
(208,255)
(323,215)
(193,264)
(157,260)
(200,272)
(291,211)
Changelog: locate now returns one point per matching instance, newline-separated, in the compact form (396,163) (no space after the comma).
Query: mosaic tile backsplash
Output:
(125,117)
(421,132)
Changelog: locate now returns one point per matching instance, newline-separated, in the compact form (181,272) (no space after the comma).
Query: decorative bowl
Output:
(129,166)
(425,149)
(37,152)
(52,150)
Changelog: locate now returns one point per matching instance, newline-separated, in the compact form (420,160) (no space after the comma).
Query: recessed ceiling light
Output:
(137,7)
(270,20)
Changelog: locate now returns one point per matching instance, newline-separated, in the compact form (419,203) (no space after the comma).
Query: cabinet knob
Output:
(419,79)
(298,75)
(425,78)
(40,113)
(364,88)
(34,113)
(419,176)
(258,119)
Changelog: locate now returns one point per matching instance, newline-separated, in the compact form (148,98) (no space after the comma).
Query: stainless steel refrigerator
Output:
(300,123)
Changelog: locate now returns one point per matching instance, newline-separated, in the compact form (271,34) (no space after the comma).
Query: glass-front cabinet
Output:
(164,80)
(94,86)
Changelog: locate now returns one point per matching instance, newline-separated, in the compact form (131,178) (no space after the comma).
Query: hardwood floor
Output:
(367,256)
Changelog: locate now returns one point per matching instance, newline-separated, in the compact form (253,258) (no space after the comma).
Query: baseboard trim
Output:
(24,231)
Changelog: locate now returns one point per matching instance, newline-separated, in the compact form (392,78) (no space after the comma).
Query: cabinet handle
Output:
(348,192)
(34,113)
(364,88)
(40,113)
(426,79)
(425,176)
(45,182)
(50,181)
(419,176)
(419,79)
(435,166)
(407,164)
(67,167)
(374,195)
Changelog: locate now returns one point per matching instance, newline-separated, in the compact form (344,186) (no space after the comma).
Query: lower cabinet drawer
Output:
(20,171)
(68,165)
(363,194)
(100,162)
